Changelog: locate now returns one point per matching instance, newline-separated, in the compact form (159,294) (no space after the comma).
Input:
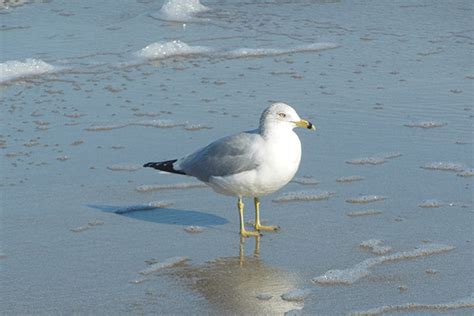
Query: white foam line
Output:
(176,186)
(367,161)
(430,204)
(391,155)
(375,246)
(157,123)
(167,263)
(176,48)
(466,173)
(265,52)
(144,123)
(106,127)
(360,270)
(364,213)
(139,280)
(304,181)
(349,179)
(366,199)
(15,69)
(467,302)
(303,196)
(425,124)
(194,229)
(374,160)
(296,295)
(196,127)
(444,166)
(163,50)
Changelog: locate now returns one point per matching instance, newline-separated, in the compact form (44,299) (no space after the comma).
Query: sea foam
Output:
(366,199)
(177,48)
(14,69)
(163,50)
(299,196)
(263,52)
(467,302)
(194,229)
(375,246)
(364,213)
(167,263)
(295,295)
(177,186)
(361,270)
(430,204)
(106,127)
(146,123)
(349,179)
(305,181)
(181,11)
(444,166)
(469,172)
(425,124)
(374,160)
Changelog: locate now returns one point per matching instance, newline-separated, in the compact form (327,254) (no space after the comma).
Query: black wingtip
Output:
(164,166)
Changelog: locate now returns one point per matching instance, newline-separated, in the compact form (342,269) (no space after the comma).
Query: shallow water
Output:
(91,92)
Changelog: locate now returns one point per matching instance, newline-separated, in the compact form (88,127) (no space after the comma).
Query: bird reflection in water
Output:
(241,285)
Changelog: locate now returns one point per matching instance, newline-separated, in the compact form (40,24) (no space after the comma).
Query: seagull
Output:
(253,163)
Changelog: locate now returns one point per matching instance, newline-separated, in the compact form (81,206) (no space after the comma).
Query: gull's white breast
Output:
(279,159)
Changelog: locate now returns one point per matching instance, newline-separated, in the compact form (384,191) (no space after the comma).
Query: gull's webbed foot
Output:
(246,233)
(267,228)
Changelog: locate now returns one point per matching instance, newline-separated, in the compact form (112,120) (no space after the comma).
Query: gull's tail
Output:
(164,166)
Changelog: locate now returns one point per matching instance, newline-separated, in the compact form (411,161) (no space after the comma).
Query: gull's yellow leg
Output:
(259,226)
(243,232)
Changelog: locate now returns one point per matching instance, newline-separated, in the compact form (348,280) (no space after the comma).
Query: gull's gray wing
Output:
(226,156)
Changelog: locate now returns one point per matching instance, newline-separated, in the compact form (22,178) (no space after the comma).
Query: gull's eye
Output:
(282,115)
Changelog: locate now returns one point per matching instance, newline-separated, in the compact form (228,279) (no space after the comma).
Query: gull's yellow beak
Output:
(305,124)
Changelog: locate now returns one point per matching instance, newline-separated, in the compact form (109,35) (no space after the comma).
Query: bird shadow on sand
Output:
(168,216)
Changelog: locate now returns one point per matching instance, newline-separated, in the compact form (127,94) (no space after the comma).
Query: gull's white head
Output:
(281,114)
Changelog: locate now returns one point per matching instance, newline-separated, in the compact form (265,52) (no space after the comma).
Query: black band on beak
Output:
(310,125)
